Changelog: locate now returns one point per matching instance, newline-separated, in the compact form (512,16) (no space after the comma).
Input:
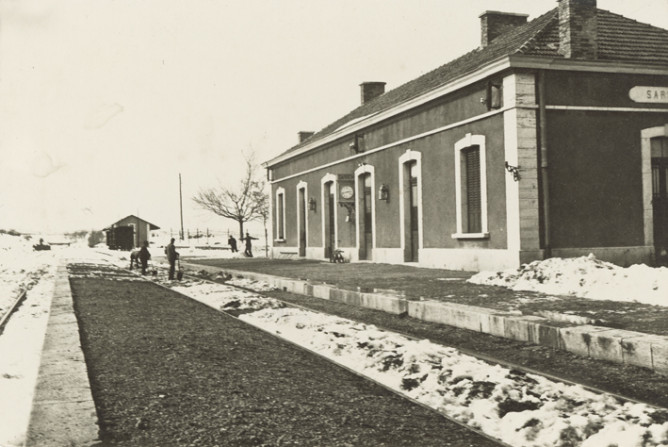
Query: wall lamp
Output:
(384,192)
(354,149)
(515,170)
(311,204)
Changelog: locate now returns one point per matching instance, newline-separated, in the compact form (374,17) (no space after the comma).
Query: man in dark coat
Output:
(232,243)
(144,256)
(249,245)
(172,255)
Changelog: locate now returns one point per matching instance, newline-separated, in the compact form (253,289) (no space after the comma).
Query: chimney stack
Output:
(495,23)
(371,90)
(578,29)
(304,135)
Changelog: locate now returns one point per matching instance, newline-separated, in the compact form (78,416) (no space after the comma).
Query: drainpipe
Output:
(544,184)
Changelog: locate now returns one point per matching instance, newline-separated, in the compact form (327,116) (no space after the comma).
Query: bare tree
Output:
(241,205)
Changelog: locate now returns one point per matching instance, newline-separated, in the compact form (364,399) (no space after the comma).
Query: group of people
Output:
(232,242)
(142,256)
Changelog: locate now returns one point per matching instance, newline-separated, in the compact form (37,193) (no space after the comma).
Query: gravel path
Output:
(168,371)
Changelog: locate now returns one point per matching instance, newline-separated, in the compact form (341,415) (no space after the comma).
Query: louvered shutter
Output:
(473,199)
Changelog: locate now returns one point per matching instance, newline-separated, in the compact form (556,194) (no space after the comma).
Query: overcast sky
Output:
(103,104)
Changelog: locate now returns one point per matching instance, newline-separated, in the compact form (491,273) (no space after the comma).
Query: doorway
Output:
(301,205)
(366,217)
(329,219)
(659,154)
(414,233)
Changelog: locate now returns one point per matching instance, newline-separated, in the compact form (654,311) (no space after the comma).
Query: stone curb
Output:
(63,411)
(553,330)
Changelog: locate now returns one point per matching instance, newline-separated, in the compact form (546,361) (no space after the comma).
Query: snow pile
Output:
(585,277)
(517,408)
(257,286)
(224,297)
(199,252)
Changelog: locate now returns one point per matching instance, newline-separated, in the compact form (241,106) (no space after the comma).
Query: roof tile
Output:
(619,39)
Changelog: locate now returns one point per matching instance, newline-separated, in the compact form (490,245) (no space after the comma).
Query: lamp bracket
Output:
(515,170)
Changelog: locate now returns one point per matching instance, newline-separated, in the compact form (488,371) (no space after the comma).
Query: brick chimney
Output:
(371,90)
(495,23)
(304,135)
(578,29)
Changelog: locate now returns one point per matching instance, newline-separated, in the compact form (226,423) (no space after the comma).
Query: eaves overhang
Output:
(492,68)
(598,66)
(489,69)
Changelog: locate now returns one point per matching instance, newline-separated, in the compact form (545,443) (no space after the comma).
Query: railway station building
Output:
(549,139)
(128,233)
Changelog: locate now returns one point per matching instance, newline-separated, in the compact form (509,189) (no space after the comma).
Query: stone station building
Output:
(550,139)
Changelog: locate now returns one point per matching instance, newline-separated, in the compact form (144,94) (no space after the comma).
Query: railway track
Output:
(485,358)
(12,308)
(357,373)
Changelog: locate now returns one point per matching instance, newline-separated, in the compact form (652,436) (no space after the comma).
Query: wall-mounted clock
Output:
(347,192)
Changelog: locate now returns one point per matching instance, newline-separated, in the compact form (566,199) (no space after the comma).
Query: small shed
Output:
(128,233)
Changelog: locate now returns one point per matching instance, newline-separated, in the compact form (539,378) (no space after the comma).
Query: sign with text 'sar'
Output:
(641,93)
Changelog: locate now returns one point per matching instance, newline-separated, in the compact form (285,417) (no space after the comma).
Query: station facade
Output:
(550,139)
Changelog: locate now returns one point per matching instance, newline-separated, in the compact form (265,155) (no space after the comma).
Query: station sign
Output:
(641,93)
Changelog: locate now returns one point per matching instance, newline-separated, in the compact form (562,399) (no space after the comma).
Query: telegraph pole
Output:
(181,205)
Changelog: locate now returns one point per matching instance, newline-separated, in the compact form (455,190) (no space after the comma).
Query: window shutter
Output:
(473,198)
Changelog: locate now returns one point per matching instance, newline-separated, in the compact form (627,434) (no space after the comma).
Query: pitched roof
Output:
(619,40)
(151,226)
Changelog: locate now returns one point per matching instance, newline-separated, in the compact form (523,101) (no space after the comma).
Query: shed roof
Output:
(620,40)
(151,226)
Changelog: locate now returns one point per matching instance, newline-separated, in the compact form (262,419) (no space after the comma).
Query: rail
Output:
(17,302)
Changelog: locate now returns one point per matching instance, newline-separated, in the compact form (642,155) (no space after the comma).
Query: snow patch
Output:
(585,277)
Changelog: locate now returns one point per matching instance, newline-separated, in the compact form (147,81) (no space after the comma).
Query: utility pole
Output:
(181,205)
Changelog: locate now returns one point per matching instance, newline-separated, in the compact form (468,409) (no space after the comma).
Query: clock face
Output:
(347,192)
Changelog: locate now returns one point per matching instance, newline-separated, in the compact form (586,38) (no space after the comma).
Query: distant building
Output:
(550,139)
(128,233)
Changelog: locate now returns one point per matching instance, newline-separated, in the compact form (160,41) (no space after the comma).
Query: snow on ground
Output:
(225,298)
(520,409)
(517,408)
(23,336)
(585,277)
(20,267)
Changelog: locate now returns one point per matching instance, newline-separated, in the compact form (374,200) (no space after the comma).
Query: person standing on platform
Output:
(249,245)
(233,244)
(172,256)
(144,256)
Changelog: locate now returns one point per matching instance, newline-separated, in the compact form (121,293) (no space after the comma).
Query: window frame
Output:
(460,146)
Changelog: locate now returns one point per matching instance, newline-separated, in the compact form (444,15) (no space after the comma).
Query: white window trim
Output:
(329,178)
(466,142)
(365,169)
(280,190)
(408,157)
(302,185)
